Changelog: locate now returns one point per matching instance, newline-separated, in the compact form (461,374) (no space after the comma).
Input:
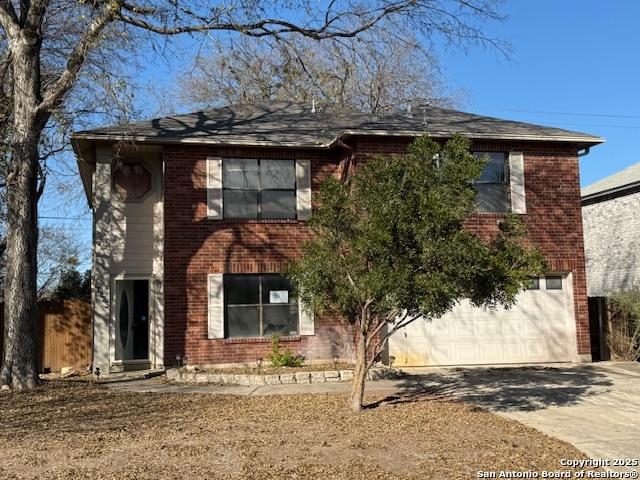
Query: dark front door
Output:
(132,320)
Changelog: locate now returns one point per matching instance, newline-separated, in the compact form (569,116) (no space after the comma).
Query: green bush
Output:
(283,359)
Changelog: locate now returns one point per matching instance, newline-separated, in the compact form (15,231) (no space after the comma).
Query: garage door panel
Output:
(557,347)
(420,329)
(464,353)
(489,328)
(512,328)
(535,352)
(464,328)
(442,354)
(440,327)
(534,327)
(540,327)
(512,353)
(489,353)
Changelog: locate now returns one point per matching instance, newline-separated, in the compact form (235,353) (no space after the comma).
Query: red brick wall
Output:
(196,246)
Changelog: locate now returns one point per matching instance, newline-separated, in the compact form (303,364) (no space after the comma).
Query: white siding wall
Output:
(132,230)
(612,244)
(128,242)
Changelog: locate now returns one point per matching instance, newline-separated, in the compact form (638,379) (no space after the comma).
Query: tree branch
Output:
(33,13)
(43,181)
(8,18)
(270,26)
(56,93)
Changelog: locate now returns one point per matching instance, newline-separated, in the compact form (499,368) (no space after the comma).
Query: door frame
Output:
(150,360)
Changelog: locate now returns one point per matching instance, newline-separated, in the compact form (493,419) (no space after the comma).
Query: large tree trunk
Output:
(19,367)
(359,374)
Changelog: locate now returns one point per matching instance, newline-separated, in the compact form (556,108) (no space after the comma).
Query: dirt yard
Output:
(74,430)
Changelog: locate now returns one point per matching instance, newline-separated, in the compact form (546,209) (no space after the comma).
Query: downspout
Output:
(348,164)
(584,151)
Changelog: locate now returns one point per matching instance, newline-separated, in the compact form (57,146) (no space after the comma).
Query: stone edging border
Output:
(183,376)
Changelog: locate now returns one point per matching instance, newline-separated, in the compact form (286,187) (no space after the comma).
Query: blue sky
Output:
(575,65)
(580,57)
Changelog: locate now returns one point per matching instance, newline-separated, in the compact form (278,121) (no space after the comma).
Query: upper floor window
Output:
(259,188)
(491,186)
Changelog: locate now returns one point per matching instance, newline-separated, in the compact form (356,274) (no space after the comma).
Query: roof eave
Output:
(584,141)
(613,192)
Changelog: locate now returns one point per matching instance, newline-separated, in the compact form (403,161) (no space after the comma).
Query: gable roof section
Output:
(620,183)
(294,125)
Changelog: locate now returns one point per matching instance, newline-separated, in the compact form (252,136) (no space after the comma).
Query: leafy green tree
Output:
(390,246)
(73,284)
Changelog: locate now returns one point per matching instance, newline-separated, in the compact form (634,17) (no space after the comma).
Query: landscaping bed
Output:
(284,375)
(270,370)
(73,430)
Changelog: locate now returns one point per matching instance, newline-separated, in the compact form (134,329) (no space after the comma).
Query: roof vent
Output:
(313,105)
(409,112)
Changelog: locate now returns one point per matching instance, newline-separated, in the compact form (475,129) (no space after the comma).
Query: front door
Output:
(132,320)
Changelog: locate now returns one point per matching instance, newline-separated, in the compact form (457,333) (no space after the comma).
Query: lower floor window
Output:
(259,305)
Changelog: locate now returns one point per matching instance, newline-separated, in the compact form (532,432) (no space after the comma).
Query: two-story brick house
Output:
(196,215)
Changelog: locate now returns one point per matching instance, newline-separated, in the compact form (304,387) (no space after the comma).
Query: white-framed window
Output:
(259,306)
(553,282)
(259,188)
(491,186)
(548,282)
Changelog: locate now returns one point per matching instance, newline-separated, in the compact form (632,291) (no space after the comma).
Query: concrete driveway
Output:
(595,407)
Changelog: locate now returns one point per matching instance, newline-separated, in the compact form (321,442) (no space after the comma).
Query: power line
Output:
(47,217)
(599,125)
(573,114)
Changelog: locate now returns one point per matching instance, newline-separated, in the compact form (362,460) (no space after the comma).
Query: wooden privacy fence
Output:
(64,334)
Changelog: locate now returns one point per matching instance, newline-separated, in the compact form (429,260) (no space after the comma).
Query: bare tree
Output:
(376,73)
(43,64)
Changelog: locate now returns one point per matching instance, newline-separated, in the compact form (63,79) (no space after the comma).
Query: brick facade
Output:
(196,246)
(612,245)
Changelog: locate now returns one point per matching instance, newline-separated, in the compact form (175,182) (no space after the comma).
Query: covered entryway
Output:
(132,323)
(539,328)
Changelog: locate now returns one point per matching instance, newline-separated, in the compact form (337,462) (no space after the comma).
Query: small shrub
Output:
(283,359)
(623,337)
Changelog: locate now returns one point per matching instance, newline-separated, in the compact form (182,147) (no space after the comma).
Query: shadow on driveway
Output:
(503,389)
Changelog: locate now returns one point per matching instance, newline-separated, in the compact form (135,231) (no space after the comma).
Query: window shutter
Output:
(516,178)
(307,324)
(214,187)
(303,190)
(216,305)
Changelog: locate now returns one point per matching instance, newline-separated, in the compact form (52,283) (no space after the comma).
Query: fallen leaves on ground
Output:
(73,430)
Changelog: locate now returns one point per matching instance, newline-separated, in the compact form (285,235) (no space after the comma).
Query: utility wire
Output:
(47,217)
(572,114)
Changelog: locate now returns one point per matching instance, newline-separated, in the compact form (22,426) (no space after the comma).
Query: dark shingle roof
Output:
(291,124)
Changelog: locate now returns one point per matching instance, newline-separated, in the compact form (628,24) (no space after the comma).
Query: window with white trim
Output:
(259,305)
(259,188)
(491,185)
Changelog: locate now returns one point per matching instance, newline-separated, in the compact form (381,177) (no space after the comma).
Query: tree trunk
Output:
(359,374)
(19,367)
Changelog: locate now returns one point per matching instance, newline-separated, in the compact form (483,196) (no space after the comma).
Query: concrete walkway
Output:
(594,407)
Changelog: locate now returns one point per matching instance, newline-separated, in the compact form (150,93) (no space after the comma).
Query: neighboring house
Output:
(196,215)
(611,217)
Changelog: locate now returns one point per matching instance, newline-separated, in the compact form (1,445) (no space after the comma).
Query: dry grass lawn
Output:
(79,431)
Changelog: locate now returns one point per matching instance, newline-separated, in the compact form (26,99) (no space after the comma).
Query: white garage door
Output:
(540,327)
